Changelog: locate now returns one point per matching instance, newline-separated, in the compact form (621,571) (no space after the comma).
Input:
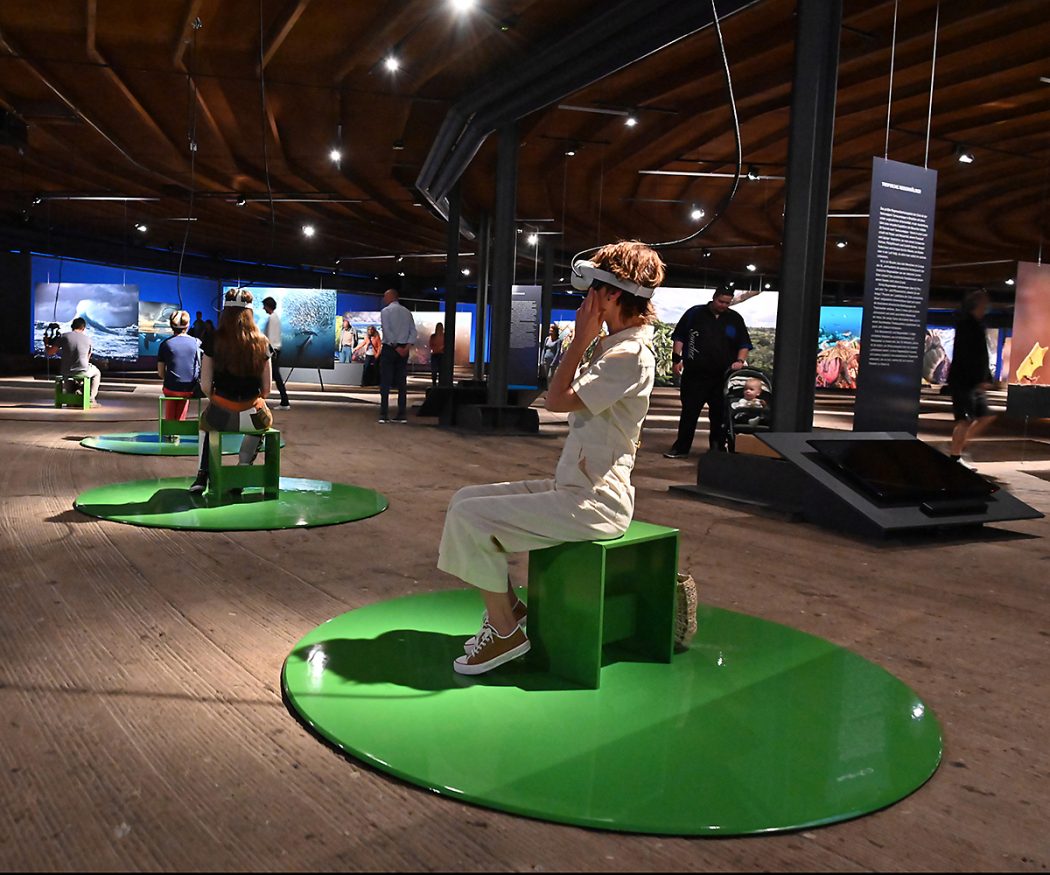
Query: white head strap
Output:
(584,274)
(237,301)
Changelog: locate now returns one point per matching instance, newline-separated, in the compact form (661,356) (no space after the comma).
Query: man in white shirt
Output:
(273,334)
(399,333)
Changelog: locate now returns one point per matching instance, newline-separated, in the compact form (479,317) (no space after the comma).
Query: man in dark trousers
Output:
(969,375)
(708,340)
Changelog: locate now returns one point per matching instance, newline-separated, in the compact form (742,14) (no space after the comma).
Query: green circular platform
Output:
(756,728)
(168,504)
(148,443)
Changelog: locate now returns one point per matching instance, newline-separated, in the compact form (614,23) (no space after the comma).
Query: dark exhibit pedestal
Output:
(466,406)
(801,483)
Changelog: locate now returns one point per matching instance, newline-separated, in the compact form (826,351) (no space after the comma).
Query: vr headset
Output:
(585,274)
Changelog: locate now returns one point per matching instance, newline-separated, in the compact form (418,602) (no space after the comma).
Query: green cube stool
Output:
(590,600)
(73,399)
(181,427)
(222,478)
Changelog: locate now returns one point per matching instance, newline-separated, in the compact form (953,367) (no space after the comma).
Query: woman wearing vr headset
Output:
(236,377)
(590,496)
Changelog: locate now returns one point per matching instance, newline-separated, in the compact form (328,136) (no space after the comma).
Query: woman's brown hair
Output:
(633,260)
(240,348)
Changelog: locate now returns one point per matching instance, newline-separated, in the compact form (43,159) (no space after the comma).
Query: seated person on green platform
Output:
(590,496)
(235,375)
(179,366)
(75,348)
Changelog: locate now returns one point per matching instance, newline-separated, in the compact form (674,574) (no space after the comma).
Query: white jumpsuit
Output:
(590,497)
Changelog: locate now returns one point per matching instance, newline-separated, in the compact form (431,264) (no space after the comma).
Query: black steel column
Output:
(503,261)
(806,211)
(448,364)
(547,296)
(481,323)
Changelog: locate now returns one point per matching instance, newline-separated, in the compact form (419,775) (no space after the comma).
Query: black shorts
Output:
(969,402)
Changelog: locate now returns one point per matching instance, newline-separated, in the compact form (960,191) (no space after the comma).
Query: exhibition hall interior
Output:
(504,435)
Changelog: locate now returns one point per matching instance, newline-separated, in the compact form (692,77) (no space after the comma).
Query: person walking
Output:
(709,339)
(273,335)
(969,376)
(399,334)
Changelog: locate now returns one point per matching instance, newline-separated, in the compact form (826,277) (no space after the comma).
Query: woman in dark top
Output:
(235,375)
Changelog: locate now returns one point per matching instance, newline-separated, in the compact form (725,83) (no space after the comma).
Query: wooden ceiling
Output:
(131,100)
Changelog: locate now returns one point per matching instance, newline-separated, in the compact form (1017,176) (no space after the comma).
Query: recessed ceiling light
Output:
(309,230)
(392,63)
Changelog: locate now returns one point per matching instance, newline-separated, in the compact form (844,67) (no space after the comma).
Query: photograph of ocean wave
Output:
(110,311)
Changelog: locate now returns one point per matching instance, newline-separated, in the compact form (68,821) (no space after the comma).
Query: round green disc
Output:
(168,504)
(756,728)
(148,443)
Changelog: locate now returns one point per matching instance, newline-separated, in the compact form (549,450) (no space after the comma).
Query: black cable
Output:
(266,151)
(191,133)
(731,193)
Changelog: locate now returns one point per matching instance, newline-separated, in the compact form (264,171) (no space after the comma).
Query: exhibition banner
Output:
(1028,369)
(896,295)
(524,350)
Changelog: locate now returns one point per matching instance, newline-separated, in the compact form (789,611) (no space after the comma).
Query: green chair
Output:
(222,478)
(181,427)
(590,600)
(81,398)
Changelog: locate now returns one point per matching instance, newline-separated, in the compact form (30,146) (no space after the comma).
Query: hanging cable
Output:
(266,150)
(893,60)
(191,136)
(727,199)
(933,73)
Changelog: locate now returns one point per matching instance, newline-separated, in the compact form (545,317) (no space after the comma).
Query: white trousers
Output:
(485,523)
(94,376)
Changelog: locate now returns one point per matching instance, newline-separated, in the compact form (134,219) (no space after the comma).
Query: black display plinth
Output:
(505,419)
(801,481)
(1028,402)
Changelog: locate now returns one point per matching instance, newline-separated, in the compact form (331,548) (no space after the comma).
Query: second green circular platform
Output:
(149,443)
(167,503)
(756,728)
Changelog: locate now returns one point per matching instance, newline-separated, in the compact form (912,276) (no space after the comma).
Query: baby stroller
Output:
(746,412)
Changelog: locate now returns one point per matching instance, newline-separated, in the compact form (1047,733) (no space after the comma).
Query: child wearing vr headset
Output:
(590,496)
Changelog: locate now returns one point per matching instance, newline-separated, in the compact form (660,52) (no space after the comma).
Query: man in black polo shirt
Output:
(708,340)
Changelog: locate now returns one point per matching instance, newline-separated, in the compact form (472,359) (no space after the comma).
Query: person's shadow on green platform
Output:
(416,660)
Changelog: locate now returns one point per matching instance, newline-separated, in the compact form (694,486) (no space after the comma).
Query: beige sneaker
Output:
(492,650)
(521,613)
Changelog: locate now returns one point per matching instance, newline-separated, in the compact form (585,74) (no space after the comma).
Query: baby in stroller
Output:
(748,399)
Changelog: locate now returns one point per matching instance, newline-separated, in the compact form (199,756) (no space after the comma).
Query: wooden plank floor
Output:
(142,724)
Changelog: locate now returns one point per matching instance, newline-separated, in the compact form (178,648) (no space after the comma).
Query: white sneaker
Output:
(521,613)
(492,650)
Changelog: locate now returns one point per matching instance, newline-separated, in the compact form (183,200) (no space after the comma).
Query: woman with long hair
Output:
(370,348)
(236,377)
(590,496)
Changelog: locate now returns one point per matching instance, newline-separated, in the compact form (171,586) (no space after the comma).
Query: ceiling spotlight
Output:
(37,200)
(462,5)
(570,153)
(768,286)
(630,121)
(963,155)
(400,273)
(842,243)
(1010,282)
(533,239)
(399,145)
(141,227)
(752,172)
(241,201)
(752,267)
(696,214)
(309,230)
(335,156)
(465,271)
(392,63)
(399,259)
(705,253)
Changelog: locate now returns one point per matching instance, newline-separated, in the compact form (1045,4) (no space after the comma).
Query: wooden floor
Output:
(142,723)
